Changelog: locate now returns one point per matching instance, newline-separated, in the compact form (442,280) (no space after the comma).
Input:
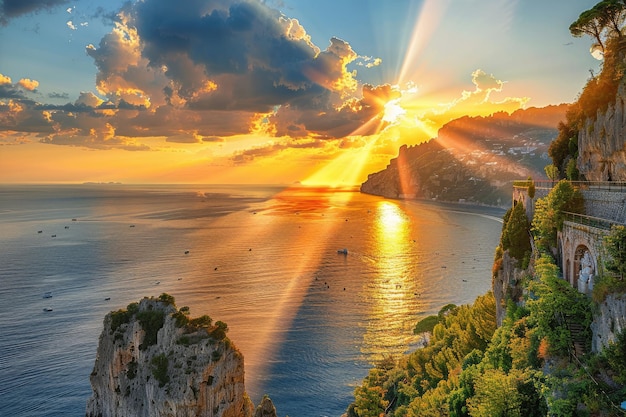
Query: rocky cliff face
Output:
(506,284)
(602,143)
(153,361)
(608,322)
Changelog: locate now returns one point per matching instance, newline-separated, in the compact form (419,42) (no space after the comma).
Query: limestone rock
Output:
(506,284)
(608,322)
(602,145)
(147,365)
(266,408)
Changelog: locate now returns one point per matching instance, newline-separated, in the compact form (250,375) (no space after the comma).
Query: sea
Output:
(316,284)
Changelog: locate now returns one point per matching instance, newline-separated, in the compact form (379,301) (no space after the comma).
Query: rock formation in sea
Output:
(154,361)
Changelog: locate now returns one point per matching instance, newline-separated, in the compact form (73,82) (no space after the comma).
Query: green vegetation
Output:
(537,363)
(515,234)
(556,305)
(612,280)
(120,317)
(603,23)
(615,244)
(549,212)
(219,331)
(159,365)
(151,321)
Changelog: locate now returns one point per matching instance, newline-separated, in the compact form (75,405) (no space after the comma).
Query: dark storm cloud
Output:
(59,96)
(14,8)
(241,45)
(11,91)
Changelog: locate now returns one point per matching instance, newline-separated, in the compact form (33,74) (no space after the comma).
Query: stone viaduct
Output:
(580,244)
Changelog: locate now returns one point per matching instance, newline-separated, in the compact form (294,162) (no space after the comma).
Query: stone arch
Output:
(584,268)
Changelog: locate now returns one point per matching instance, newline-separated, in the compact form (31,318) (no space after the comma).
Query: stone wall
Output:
(605,204)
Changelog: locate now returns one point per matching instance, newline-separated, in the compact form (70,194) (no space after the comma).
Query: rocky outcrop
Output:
(153,361)
(602,143)
(608,322)
(266,408)
(506,284)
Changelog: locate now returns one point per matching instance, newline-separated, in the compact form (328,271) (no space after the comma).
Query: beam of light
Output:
(427,21)
(270,316)
(346,169)
(474,156)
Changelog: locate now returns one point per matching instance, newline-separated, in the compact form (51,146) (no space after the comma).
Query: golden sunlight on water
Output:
(393,293)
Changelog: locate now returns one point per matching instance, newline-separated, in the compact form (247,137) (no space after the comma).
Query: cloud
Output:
(59,96)
(480,101)
(220,56)
(28,84)
(88,99)
(13,8)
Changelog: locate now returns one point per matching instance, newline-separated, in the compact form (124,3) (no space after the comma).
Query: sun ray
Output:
(427,21)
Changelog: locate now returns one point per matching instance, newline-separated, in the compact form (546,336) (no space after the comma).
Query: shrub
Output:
(151,321)
(159,365)
(167,299)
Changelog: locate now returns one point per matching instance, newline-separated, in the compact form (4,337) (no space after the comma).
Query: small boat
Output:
(40,231)
(73,220)
(47,294)
(47,309)
(54,236)
(186,252)
(132,225)
(67,227)
(343,251)
(107,299)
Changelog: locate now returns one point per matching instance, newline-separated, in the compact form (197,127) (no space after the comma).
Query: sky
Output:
(260,92)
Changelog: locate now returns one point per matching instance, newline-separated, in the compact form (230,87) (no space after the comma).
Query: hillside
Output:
(472,158)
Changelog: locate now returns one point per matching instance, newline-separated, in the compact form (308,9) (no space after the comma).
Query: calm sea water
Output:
(309,321)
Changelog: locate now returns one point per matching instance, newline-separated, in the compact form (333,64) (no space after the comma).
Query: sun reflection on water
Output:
(394,292)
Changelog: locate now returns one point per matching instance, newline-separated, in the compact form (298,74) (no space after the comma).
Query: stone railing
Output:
(581,185)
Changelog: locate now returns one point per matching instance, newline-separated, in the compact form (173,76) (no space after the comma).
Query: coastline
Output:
(495,212)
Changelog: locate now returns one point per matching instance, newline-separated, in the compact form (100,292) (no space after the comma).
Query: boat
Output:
(47,294)
(186,252)
(40,231)
(343,251)
(54,236)
(47,309)
(67,227)
(107,299)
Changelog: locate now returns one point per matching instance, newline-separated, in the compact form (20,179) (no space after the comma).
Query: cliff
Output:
(608,321)
(152,360)
(602,143)
(472,158)
(506,284)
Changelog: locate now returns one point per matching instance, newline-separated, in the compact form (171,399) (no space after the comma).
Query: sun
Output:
(393,111)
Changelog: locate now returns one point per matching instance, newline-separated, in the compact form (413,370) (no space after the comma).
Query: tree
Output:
(515,235)
(615,244)
(590,22)
(612,14)
(496,395)
(549,211)
(552,171)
